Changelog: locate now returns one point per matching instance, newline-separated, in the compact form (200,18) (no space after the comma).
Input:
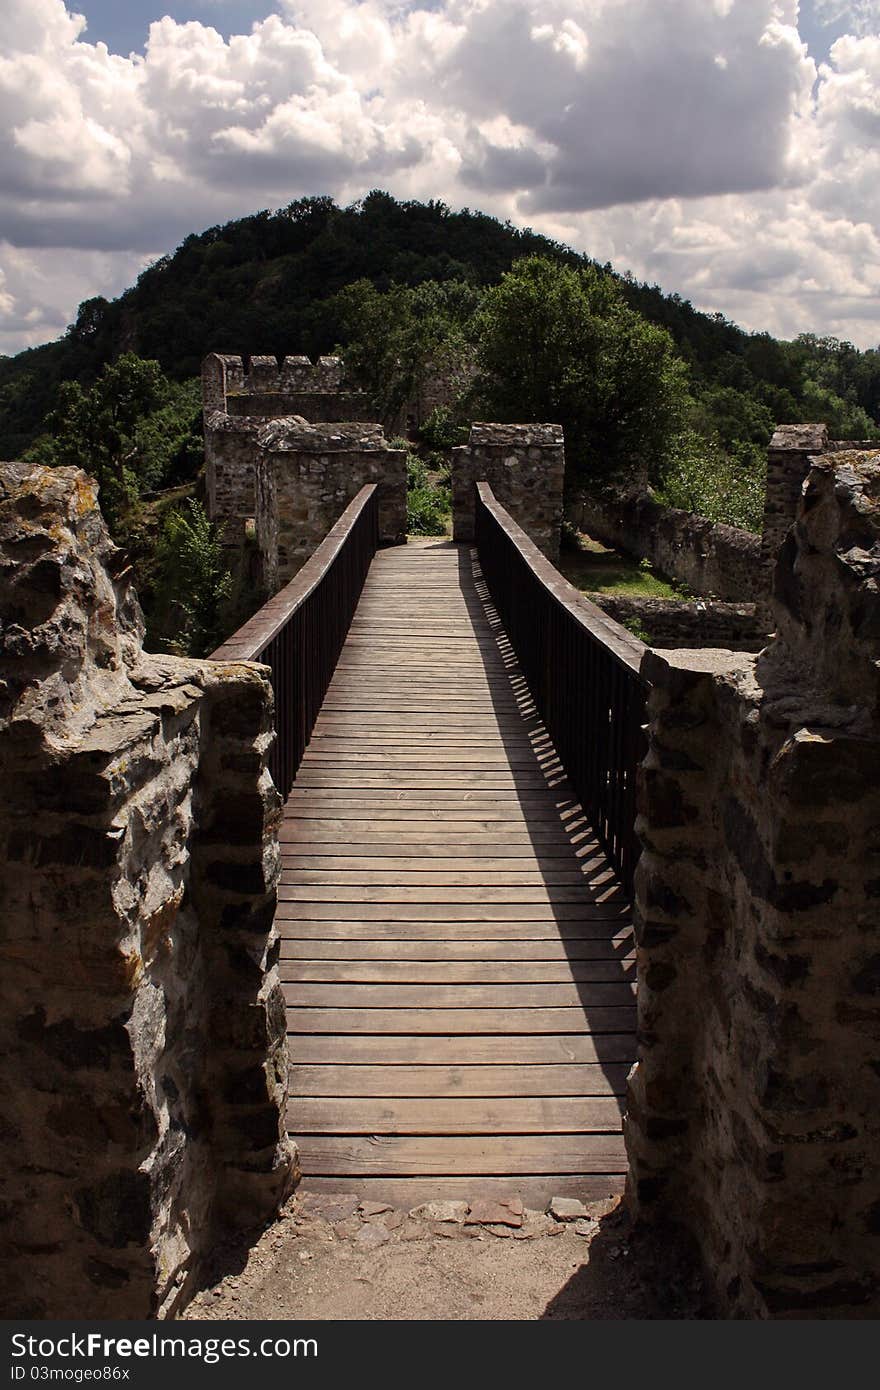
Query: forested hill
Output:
(267,284)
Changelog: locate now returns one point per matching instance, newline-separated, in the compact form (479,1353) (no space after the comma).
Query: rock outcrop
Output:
(143,1067)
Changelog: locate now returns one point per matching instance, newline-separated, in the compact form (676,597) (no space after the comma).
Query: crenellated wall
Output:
(143,1065)
(753,1115)
(292,399)
(267,387)
(525,467)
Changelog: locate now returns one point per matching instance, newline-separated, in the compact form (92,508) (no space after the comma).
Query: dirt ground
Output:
(328,1258)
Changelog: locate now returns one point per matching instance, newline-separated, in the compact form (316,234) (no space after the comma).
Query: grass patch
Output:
(428,497)
(594,569)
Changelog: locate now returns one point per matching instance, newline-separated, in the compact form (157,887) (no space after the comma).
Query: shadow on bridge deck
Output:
(457,953)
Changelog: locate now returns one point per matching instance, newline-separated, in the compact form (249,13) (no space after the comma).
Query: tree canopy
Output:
(132,429)
(270,283)
(560,344)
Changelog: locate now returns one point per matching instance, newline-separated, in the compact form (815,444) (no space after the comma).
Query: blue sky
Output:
(728,150)
(123,27)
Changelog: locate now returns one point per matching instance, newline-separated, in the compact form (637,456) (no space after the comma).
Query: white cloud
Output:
(695,143)
(861,16)
(40,290)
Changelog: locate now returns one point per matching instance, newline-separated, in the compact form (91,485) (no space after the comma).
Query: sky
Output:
(727,150)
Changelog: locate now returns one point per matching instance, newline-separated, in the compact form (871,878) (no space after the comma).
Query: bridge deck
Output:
(456,952)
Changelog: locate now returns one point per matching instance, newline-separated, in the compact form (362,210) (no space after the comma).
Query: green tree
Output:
(95,429)
(193,583)
(733,416)
(393,339)
(133,430)
(560,345)
(845,418)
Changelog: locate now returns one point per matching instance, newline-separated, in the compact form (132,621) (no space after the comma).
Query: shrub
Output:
(724,486)
(441,430)
(428,504)
(193,583)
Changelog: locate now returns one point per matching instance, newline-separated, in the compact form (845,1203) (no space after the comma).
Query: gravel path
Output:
(330,1257)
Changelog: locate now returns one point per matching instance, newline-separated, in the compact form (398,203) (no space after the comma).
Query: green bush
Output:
(724,486)
(193,583)
(428,503)
(441,431)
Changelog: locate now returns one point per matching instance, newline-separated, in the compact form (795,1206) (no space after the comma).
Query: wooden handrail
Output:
(300,632)
(624,646)
(582,669)
(255,635)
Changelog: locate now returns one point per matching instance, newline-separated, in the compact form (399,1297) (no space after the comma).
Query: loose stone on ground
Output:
(440,1261)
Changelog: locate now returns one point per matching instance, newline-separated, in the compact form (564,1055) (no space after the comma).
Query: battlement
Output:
(225,376)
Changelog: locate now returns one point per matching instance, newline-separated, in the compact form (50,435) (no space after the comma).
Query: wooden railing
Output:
(300,632)
(583,673)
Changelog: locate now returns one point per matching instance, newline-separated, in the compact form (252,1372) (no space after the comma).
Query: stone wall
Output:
(788,462)
(525,467)
(239,399)
(669,622)
(713,560)
(230,459)
(143,1067)
(306,477)
(311,438)
(754,1109)
(268,388)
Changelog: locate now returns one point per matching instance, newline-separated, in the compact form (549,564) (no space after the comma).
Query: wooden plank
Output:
(479,875)
(432,781)
(525,997)
(370,920)
(392,792)
(490,1155)
(483,915)
(472,761)
(314,838)
(401,716)
(446,972)
(386,1115)
(534,1191)
(332,853)
(617,1019)
(333,1080)
(469,816)
(549,952)
(472,896)
(435,745)
(452,1050)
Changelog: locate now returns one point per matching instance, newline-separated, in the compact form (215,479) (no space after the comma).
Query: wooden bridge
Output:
(458,732)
